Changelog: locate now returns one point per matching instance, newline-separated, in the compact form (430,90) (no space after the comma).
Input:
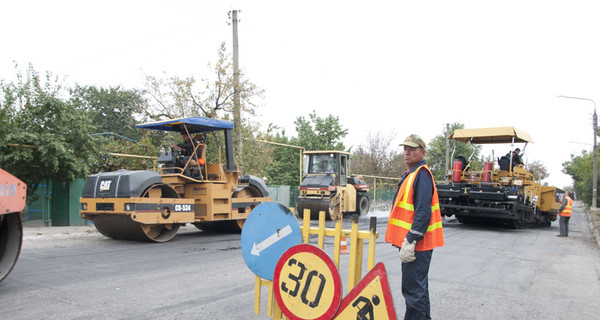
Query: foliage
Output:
(318,133)
(45,137)
(285,166)
(375,159)
(112,109)
(436,152)
(539,170)
(580,169)
(120,154)
(175,97)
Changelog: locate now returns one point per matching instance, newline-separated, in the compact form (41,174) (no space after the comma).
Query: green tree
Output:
(113,109)
(48,138)
(436,152)
(580,169)
(316,133)
(284,168)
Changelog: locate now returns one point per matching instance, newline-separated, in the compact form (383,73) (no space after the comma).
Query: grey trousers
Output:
(563,222)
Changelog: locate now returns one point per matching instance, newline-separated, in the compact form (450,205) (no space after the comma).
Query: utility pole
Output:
(595,173)
(237,120)
(595,151)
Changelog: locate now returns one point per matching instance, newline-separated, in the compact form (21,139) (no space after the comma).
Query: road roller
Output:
(328,186)
(502,191)
(151,205)
(13,193)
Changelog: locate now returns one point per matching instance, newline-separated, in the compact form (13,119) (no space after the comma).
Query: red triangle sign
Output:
(370,299)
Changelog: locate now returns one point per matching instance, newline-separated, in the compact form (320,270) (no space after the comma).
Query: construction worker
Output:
(566,208)
(415,226)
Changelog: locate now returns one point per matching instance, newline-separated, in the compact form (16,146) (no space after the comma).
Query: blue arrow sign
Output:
(270,230)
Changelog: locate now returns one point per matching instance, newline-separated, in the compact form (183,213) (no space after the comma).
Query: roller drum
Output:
(11,239)
(124,228)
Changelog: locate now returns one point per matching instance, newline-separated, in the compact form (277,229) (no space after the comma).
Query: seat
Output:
(504,163)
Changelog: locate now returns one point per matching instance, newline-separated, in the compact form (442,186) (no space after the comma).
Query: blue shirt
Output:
(422,194)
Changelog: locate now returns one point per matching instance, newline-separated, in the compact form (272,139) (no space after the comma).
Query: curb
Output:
(594,231)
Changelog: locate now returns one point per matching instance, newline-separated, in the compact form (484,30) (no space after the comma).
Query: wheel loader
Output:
(501,191)
(151,205)
(12,201)
(327,186)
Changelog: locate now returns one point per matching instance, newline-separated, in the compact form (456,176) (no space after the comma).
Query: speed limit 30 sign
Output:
(307,284)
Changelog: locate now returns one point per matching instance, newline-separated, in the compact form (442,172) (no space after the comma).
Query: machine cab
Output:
(333,163)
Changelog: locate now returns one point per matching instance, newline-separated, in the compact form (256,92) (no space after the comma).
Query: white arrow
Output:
(257,248)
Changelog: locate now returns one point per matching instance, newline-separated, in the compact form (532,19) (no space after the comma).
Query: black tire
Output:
(362,204)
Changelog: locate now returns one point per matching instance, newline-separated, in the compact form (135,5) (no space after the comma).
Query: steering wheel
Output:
(176,150)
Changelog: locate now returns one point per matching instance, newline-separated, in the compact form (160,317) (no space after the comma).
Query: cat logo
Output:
(105,185)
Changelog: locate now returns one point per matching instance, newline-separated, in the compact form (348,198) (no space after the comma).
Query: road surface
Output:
(482,272)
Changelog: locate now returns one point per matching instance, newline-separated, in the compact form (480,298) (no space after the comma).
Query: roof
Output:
(490,135)
(326,152)
(193,124)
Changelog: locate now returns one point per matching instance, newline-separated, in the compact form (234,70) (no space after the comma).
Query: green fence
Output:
(55,204)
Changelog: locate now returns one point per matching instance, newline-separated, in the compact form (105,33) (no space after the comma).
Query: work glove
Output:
(407,251)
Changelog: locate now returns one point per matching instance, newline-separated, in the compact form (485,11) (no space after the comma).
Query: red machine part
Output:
(12,201)
(12,193)
(456,171)
(488,166)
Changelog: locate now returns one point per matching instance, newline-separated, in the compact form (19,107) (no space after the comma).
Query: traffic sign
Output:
(269,231)
(370,299)
(307,284)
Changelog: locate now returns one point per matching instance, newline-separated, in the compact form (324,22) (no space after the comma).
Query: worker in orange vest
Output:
(565,212)
(415,226)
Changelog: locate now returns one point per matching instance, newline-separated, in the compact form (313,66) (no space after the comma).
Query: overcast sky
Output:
(390,67)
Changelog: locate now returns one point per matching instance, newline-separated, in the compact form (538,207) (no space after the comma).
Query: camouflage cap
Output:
(414,141)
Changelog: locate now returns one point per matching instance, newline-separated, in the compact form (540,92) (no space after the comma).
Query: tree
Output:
(318,133)
(436,152)
(112,109)
(175,97)
(580,168)
(48,138)
(376,159)
(539,170)
(284,168)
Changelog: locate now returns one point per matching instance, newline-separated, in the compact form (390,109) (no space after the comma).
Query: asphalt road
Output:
(482,273)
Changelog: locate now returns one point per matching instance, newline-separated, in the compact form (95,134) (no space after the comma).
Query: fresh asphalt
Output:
(483,272)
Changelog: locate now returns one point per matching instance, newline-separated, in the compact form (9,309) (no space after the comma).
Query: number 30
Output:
(298,278)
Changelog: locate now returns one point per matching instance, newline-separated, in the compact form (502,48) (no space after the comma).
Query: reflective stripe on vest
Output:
(402,215)
(568,208)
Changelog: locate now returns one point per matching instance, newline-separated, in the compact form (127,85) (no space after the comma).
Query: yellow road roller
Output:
(151,205)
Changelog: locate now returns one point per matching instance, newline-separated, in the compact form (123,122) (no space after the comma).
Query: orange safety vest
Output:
(568,208)
(403,214)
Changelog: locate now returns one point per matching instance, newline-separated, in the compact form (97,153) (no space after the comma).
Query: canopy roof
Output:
(193,124)
(490,135)
(326,152)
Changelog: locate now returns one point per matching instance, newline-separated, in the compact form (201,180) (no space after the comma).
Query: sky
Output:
(383,67)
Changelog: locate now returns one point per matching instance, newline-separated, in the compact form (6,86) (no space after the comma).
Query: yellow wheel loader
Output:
(327,186)
(152,205)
